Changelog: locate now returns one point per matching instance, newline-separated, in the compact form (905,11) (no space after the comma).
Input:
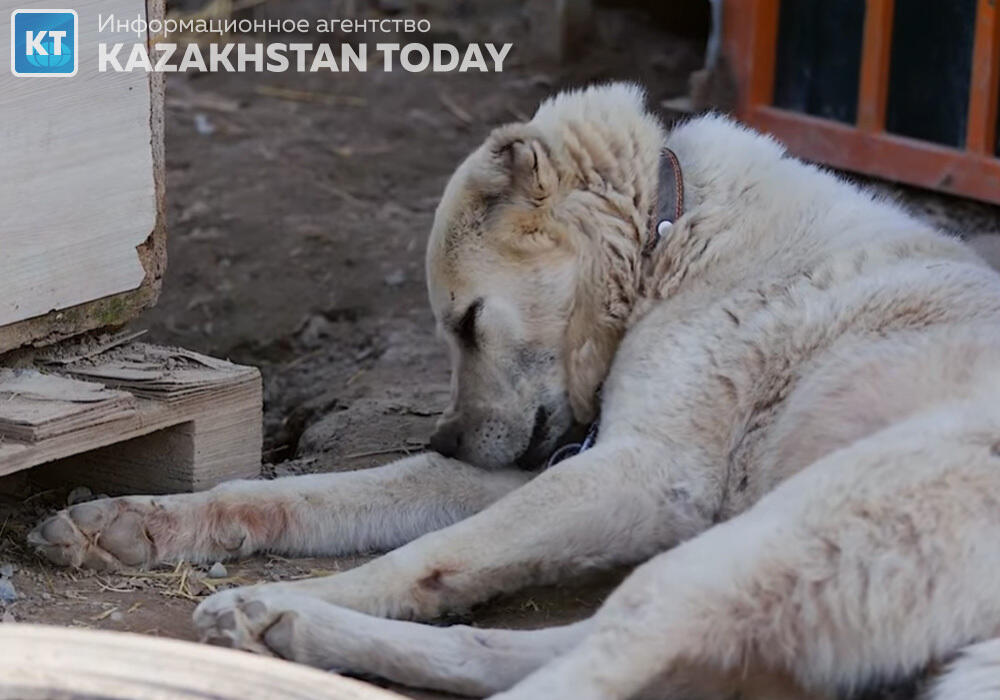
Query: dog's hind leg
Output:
(339,513)
(458,659)
(871,564)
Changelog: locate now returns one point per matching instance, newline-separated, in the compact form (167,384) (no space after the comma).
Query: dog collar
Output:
(575,448)
(669,204)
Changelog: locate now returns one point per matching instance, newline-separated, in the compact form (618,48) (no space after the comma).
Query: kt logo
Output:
(44,43)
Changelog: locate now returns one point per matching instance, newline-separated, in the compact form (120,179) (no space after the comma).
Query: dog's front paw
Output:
(107,534)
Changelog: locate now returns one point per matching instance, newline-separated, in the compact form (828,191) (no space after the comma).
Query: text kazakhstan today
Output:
(279,57)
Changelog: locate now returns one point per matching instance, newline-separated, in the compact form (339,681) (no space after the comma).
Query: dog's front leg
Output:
(458,659)
(614,504)
(340,513)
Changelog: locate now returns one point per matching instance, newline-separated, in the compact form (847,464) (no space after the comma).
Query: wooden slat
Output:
(737,44)
(983,90)
(873,87)
(885,155)
(763,47)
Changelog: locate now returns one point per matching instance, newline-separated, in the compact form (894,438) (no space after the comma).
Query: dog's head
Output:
(518,289)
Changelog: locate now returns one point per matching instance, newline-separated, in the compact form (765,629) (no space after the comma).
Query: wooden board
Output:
(82,240)
(38,662)
(36,406)
(172,420)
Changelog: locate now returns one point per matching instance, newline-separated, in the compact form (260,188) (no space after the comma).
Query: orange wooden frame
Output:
(750,34)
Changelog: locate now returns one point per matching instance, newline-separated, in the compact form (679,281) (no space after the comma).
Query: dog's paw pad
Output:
(238,619)
(103,535)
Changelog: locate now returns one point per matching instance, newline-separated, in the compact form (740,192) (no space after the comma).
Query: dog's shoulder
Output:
(787,240)
(758,205)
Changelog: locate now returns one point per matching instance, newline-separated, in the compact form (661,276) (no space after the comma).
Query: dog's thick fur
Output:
(800,436)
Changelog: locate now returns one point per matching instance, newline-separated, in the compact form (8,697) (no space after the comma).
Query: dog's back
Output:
(873,314)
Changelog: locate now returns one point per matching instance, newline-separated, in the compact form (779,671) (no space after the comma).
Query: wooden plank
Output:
(737,42)
(81,187)
(984,89)
(764,48)
(54,662)
(884,155)
(873,87)
(36,406)
(749,49)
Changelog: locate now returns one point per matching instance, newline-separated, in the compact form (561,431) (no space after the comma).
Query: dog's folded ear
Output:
(521,154)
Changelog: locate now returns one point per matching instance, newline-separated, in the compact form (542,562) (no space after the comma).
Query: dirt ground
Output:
(298,209)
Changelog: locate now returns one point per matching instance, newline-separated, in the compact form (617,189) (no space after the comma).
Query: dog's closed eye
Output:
(465,329)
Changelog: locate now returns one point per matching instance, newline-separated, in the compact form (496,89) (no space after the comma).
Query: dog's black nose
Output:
(446,440)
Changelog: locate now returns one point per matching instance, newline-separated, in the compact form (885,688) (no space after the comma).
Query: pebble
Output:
(218,571)
(8,617)
(116,616)
(395,278)
(8,594)
(6,570)
(203,125)
(79,495)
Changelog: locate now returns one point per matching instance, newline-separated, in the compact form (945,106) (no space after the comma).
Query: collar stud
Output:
(663,228)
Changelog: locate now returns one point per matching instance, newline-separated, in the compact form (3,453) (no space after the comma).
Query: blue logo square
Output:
(44,43)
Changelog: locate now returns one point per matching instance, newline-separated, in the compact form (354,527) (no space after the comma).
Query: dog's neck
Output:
(617,277)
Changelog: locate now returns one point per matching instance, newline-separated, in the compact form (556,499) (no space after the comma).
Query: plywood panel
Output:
(79,188)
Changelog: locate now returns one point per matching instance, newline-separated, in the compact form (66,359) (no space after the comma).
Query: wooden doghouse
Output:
(904,90)
(82,248)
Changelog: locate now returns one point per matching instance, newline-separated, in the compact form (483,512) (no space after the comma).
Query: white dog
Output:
(798,393)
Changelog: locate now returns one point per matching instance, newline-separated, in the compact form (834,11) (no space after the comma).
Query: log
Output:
(39,662)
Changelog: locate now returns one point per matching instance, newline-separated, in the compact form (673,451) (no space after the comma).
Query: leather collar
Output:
(669,204)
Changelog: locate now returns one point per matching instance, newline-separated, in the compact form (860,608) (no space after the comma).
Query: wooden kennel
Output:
(911,86)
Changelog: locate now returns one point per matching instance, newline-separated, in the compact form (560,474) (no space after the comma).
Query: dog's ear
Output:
(521,154)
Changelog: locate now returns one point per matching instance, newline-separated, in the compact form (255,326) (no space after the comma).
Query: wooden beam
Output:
(984,93)
(737,40)
(763,50)
(873,86)
(884,155)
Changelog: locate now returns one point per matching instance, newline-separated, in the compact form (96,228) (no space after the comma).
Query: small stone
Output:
(218,571)
(79,495)
(8,594)
(45,595)
(316,330)
(116,616)
(203,125)
(7,570)
(395,278)
(8,617)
